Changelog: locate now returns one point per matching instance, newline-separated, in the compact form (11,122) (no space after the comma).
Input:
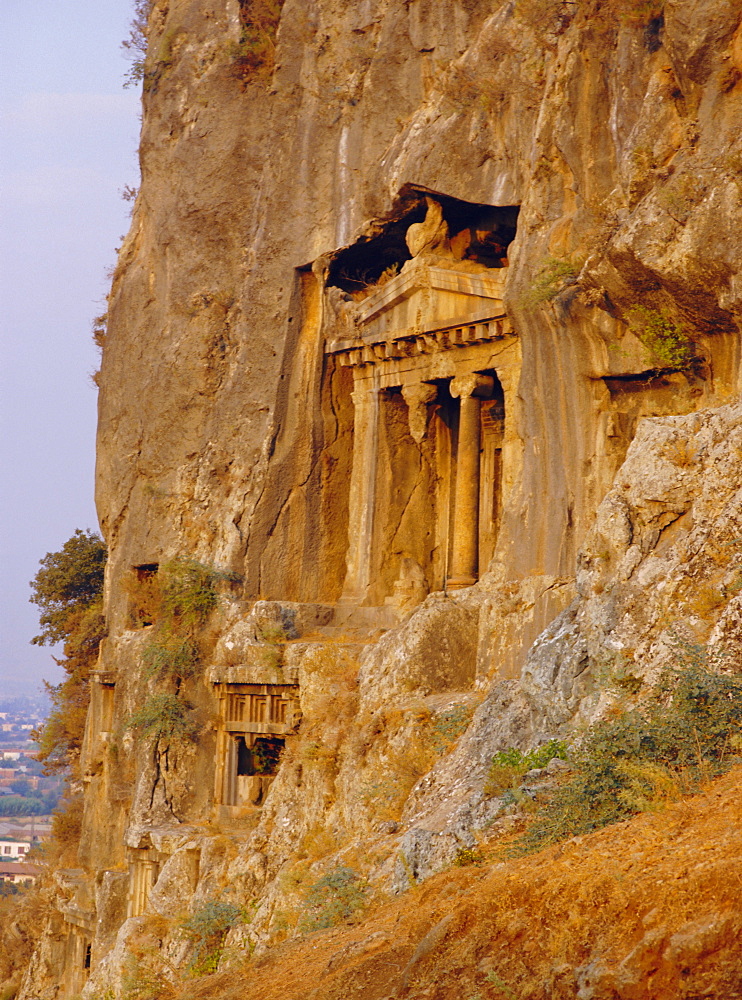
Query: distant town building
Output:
(18,872)
(13,850)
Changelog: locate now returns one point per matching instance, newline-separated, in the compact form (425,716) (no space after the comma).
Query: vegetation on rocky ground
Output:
(686,730)
(509,766)
(537,926)
(339,894)
(207,928)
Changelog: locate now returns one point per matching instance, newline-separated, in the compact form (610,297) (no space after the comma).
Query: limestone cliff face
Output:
(620,147)
(429,335)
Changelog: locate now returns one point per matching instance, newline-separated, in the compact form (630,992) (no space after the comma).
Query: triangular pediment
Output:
(425,296)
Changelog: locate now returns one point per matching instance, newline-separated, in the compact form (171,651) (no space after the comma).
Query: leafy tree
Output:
(68,582)
(69,590)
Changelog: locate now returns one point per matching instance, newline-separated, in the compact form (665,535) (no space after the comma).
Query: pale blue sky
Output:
(68,139)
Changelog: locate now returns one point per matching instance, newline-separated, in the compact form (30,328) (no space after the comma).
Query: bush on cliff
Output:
(177,601)
(663,336)
(165,717)
(254,54)
(135,46)
(208,929)
(509,766)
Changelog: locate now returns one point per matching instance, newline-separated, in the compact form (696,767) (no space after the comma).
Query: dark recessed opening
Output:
(485,232)
(653,33)
(146,570)
(263,757)
(141,588)
(244,757)
(364,263)
(86,960)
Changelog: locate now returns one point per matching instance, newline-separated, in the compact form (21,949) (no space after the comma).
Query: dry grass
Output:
(501,777)
(318,843)
(387,794)
(680,452)
(650,907)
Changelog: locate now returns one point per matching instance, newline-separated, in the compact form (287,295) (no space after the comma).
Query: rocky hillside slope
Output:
(647,908)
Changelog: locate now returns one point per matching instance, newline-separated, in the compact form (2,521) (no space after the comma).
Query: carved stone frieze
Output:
(359,352)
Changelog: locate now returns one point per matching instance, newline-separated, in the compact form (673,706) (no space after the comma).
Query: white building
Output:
(14,850)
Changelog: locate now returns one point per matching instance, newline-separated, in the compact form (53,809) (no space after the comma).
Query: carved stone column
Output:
(229,764)
(417,396)
(362,496)
(464,568)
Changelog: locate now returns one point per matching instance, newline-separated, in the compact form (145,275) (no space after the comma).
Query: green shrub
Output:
(466,856)
(266,755)
(662,335)
(171,657)
(165,717)
(335,897)
(68,582)
(554,274)
(686,732)
(179,601)
(509,766)
(189,595)
(207,929)
(135,46)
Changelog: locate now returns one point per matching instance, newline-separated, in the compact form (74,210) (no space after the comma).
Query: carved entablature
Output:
(427,296)
(354,353)
(270,709)
(424,310)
